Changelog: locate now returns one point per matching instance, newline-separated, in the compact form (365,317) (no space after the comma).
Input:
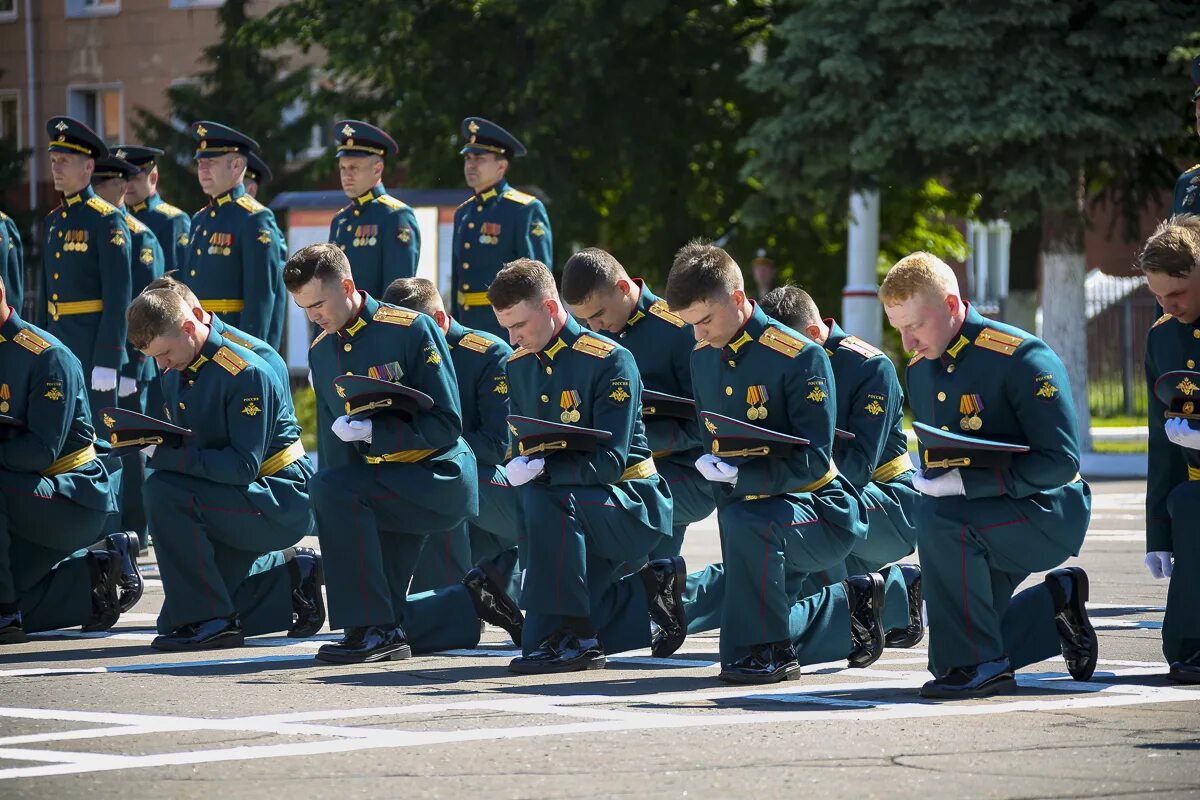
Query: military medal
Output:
(569,402)
(970,405)
(756,398)
(5,396)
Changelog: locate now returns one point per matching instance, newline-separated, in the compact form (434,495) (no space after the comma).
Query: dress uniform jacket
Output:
(1187,192)
(171,227)
(12,261)
(380,237)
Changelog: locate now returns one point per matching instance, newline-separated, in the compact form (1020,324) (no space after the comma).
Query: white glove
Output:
(353,430)
(149,450)
(104,379)
(1182,434)
(522,469)
(716,470)
(949,484)
(126,387)
(1159,563)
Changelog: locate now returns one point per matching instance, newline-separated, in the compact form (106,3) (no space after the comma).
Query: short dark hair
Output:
(588,270)
(325,262)
(155,313)
(792,306)
(520,280)
(701,271)
(419,294)
(169,281)
(1173,248)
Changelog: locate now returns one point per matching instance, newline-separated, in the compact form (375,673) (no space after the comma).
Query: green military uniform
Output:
(1173,487)
(12,261)
(378,233)
(54,492)
(998,382)
(375,503)
(480,364)
(278,367)
(1187,192)
(662,345)
(169,224)
(786,517)
(591,513)
(235,258)
(493,227)
(232,491)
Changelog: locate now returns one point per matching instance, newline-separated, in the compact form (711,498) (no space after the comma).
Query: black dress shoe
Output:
(210,634)
(663,579)
(1080,648)
(491,601)
(766,663)
(865,593)
(308,607)
(367,645)
(912,635)
(981,680)
(563,651)
(106,577)
(125,548)
(1185,671)
(12,631)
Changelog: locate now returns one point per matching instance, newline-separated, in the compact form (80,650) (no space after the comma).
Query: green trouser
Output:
(974,554)
(371,536)
(692,499)
(43,568)
(1181,625)
(218,554)
(133,473)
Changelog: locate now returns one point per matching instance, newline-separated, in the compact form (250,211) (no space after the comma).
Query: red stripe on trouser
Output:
(962,549)
(200,557)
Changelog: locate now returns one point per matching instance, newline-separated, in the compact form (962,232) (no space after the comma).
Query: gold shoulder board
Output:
(395,316)
(473,341)
(101,205)
(998,342)
(250,204)
(1164,317)
(31,342)
(864,349)
(520,352)
(519,197)
(593,346)
(781,342)
(231,361)
(661,311)
(320,336)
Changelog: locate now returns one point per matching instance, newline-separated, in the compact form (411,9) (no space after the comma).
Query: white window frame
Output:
(180,5)
(76,9)
(94,87)
(11,16)
(16,94)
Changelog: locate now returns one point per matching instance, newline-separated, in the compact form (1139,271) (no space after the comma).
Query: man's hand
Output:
(521,470)
(949,484)
(1160,564)
(1182,434)
(352,430)
(104,379)
(716,470)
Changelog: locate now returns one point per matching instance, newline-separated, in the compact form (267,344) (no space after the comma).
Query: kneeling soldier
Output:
(986,522)
(54,494)
(230,484)
(391,472)
(586,511)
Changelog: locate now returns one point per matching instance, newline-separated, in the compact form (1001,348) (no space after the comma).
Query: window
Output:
(316,145)
(92,8)
(8,10)
(196,3)
(987,264)
(10,117)
(99,107)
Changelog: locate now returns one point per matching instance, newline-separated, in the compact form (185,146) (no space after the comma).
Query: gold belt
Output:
(819,483)
(285,457)
(642,469)
(662,453)
(1194,473)
(71,461)
(401,457)
(894,468)
(471,299)
(223,306)
(74,307)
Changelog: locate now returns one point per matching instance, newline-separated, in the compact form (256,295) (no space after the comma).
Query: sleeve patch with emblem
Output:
(538,229)
(876,404)
(54,390)
(432,356)
(620,391)
(501,386)
(404,234)
(265,236)
(147,256)
(251,406)
(817,392)
(117,237)
(1046,388)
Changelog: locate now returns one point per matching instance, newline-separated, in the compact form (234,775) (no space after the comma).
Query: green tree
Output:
(247,88)
(1033,105)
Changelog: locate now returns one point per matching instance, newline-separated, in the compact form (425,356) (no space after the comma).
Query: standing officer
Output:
(257,172)
(480,366)
(603,296)
(1187,187)
(236,255)
(229,485)
(85,262)
(982,528)
(169,224)
(783,509)
(585,514)
(145,264)
(391,479)
(1169,260)
(12,260)
(497,224)
(870,405)
(54,493)
(377,232)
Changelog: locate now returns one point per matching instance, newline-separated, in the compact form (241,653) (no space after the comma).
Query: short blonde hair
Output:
(918,273)
(154,313)
(1174,248)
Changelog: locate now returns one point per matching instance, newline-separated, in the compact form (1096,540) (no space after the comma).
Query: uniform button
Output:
(941,397)
(356,213)
(347,347)
(729,390)
(197,251)
(60,234)
(549,370)
(477,208)
(545,399)
(58,255)
(466,245)
(732,363)
(192,273)
(54,297)
(212,213)
(1196,334)
(349,373)
(466,265)
(470,226)
(56,276)
(945,428)
(1191,364)
(64,215)
(950,368)
(182,407)
(466,286)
